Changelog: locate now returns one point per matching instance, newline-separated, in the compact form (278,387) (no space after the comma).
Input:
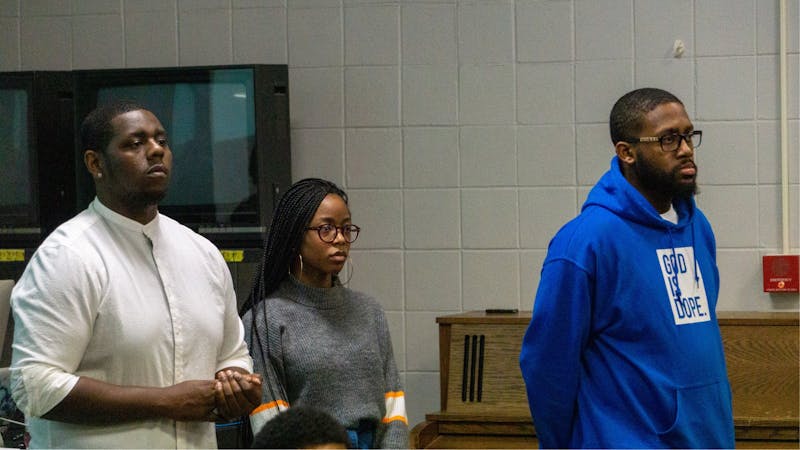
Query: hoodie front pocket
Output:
(703,417)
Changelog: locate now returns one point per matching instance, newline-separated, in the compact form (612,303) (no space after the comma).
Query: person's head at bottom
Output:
(302,427)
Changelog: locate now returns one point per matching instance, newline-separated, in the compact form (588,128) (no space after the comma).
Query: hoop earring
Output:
(349,270)
(289,269)
(301,266)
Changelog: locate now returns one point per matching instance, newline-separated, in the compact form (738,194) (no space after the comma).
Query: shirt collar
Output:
(124,222)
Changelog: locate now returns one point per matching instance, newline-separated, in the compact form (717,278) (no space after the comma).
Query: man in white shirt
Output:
(126,327)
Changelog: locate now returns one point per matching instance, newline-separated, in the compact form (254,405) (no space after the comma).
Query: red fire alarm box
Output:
(781,273)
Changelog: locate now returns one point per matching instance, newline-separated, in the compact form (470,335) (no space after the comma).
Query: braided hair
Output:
(294,212)
(291,217)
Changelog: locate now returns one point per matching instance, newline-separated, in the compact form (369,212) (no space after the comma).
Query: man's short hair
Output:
(627,115)
(96,129)
(301,427)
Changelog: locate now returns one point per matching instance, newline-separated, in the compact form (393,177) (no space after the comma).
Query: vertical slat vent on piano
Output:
(472,369)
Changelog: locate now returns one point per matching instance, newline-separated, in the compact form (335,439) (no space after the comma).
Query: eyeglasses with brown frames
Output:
(328,232)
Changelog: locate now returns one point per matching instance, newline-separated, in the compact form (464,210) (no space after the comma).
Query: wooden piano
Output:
(484,405)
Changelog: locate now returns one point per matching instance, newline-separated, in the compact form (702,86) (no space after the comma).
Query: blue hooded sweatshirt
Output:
(624,349)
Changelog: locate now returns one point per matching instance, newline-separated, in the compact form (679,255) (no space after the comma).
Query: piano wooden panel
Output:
(484,404)
(483,379)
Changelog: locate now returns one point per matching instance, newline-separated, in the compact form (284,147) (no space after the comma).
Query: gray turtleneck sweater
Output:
(327,348)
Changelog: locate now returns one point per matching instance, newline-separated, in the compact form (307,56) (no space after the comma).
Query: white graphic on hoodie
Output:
(684,283)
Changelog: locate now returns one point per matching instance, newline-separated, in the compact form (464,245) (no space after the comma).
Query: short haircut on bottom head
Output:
(301,427)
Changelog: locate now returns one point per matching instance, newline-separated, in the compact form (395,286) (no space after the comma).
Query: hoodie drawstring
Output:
(694,253)
(675,263)
(675,268)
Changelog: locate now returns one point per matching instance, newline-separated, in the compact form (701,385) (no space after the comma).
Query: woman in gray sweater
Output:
(315,341)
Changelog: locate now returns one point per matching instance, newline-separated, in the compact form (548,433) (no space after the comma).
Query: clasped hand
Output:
(230,395)
(236,394)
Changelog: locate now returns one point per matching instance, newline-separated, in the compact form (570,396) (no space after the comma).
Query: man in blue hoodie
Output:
(624,349)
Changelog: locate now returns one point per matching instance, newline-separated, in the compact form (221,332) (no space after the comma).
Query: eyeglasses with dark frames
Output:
(327,232)
(672,142)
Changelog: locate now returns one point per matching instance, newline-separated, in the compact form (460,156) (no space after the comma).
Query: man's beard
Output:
(144,199)
(665,183)
(136,199)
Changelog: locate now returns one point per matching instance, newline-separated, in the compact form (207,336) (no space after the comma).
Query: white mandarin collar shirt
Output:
(129,304)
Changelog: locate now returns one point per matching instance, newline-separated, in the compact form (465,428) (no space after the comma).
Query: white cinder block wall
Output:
(466,132)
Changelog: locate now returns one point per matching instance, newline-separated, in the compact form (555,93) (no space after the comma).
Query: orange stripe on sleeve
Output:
(280,404)
(395,407)
(395,418)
